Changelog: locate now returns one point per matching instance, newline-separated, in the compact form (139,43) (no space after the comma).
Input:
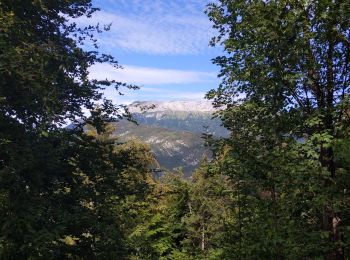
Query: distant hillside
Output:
(172,148)
(174,130)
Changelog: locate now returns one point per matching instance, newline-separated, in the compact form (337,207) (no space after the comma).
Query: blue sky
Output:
(163,46)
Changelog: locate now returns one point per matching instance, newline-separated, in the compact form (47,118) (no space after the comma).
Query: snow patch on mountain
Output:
(163,106)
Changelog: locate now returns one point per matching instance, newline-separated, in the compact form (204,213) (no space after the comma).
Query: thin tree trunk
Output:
(203,238)
(327,159)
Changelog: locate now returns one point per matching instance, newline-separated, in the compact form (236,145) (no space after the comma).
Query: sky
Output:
(163,46)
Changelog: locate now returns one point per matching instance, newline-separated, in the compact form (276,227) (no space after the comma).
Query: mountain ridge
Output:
(195,116)
(178,105)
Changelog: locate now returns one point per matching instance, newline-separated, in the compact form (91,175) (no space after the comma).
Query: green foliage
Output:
(63,193)
(286,105)
(208,214)
(184,218)
(70,201)
(277,188)
(161,229)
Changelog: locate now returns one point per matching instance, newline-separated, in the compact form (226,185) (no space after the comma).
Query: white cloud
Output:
(152,94)
(150,76)
(154,27)
(164,93)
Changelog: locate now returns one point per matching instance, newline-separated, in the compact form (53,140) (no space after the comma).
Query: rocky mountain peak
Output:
(175,106)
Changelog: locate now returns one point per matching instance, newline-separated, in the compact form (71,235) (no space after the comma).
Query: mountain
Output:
(163,106)
(173,129)
(195,116)
(172,148)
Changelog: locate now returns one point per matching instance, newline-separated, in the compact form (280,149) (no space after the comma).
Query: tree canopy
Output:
(276,188)
(61,189)
(285,85)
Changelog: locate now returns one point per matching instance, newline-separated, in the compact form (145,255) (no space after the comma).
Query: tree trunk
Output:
(203,239)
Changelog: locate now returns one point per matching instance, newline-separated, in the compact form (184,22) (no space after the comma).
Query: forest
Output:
(278,187)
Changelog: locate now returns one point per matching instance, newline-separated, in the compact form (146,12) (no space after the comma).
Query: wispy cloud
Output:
(150,76)
(163,93)
(154,27)
(150,95)
(157,28)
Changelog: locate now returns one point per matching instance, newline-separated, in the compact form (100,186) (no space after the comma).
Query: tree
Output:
(60,188)
(44,70)
(161,231)
(184,218)
(285,86)
(208,212)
